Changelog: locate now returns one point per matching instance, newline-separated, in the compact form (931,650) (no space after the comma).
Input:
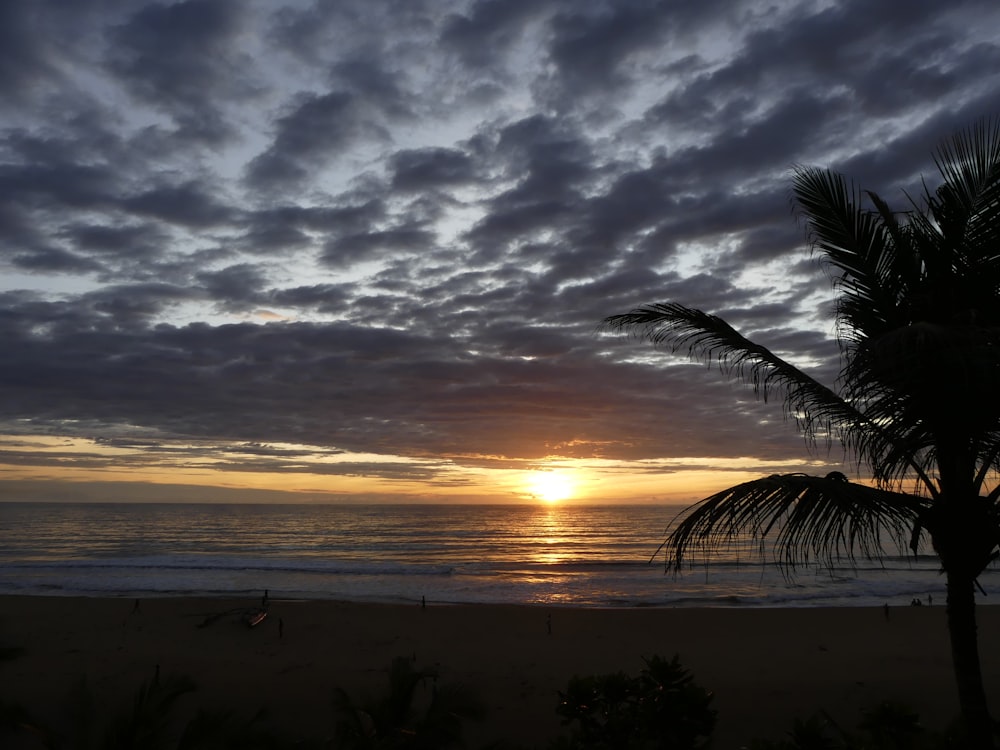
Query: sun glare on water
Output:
(550,486)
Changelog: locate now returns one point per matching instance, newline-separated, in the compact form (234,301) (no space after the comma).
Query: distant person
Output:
(548,624)
(886,609)
(263,600)
(423,602)
(930,600)
(135,608)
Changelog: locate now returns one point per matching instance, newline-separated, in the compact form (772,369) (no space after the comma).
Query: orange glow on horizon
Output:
(85,469)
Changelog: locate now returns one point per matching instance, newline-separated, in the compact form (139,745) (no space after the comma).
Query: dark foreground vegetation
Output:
(661,708)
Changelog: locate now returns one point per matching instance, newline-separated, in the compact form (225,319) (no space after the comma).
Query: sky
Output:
(360,250)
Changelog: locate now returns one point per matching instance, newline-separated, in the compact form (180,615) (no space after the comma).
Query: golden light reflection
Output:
(548,533)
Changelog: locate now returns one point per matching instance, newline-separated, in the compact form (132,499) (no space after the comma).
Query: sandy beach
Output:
(764,666)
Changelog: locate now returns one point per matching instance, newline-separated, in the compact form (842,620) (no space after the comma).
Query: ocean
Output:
(565,555)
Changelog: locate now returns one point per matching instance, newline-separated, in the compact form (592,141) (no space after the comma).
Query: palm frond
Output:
(796,519)
(712,340)
(861,245)
(967,205)
(815,408)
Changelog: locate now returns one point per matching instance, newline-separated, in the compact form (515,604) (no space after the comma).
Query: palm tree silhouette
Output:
(916,402)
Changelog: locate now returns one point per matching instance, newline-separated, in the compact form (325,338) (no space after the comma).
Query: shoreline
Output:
(727,602)
(766,666)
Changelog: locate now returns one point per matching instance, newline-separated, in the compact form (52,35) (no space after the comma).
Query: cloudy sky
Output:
(360,249)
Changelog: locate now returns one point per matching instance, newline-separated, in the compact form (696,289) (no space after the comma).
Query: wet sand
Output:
(764,666)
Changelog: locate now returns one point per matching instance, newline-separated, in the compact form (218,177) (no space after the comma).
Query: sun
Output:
(550,486)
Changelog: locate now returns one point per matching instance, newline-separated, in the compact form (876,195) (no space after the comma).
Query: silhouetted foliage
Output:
(892,726)
(16,721)
(662,708)
(10,652)
(916,401)
(148,721)
(225,730)
(886,726)
(415,713)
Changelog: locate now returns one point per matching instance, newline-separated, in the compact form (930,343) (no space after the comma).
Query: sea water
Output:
(568,555)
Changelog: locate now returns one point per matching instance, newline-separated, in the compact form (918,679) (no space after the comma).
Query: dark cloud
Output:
(23,61)
(431,168)
(323,384)
(235,288)
(132,241)
(351,249)
(488,30)
(43,187)
(316,129)
(389,229)
(188,204)
(592,42)
(137,305)
(55,260)
(182,58)
(41,41)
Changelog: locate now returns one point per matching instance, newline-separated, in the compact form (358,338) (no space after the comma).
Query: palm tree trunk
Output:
(965,659)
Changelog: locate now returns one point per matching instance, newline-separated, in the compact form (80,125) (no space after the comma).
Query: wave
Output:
(232,565)
(575,557)
(490,568)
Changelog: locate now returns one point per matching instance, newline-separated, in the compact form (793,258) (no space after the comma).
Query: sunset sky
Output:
(359,250)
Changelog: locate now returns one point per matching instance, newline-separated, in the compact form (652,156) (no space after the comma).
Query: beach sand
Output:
(764,666)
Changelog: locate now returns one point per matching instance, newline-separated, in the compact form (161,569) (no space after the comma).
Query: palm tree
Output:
(916,402)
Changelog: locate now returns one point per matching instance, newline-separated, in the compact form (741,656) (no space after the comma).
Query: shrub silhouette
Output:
(885,726)
(410,715)
(662,709)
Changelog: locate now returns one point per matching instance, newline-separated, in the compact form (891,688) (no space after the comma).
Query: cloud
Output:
(427,169)
(183,59)
(433,211)
(315,129)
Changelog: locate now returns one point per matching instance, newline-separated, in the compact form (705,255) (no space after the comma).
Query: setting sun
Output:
(551,486)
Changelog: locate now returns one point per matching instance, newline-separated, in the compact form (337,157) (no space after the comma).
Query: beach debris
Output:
(249,616)
(254,617)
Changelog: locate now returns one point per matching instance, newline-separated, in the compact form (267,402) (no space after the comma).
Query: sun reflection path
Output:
(551,535)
